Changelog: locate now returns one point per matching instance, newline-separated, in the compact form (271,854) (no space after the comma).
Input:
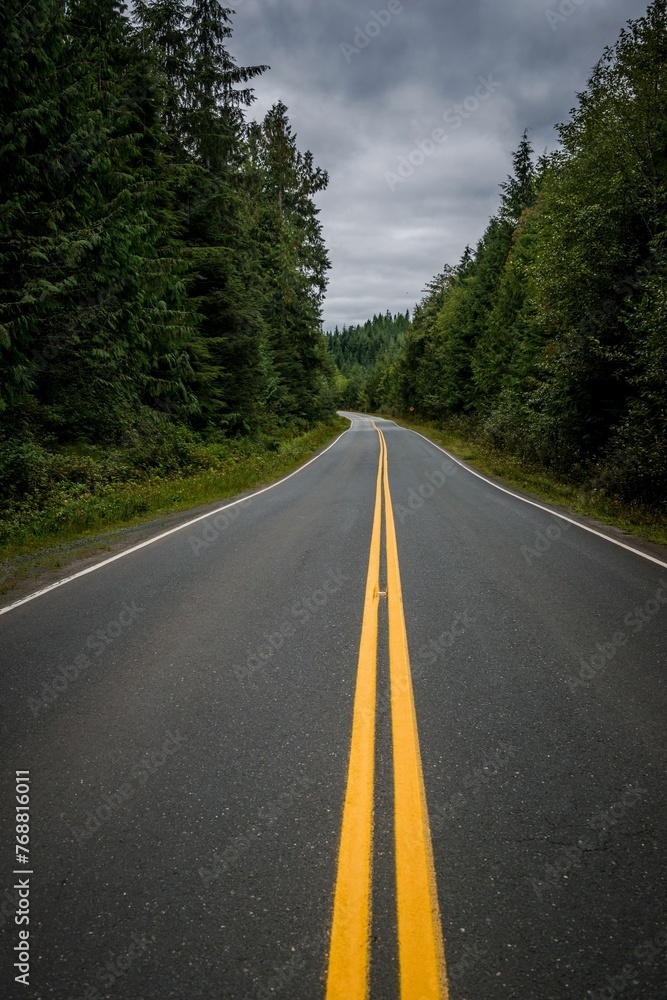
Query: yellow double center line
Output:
(420,945)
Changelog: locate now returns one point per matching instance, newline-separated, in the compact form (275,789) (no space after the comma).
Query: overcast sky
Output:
(366,101)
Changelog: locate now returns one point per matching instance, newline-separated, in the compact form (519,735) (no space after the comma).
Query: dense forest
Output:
(365,356)
(549,339)
(162,266)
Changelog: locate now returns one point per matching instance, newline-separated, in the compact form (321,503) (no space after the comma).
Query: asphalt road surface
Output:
(239,787)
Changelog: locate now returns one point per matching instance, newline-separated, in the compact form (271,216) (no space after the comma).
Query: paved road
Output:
(185,714)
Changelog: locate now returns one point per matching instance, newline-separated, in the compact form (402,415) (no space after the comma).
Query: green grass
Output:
(39,537)
(633,519)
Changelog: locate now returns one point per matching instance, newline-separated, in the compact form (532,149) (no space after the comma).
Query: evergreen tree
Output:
(293,261)
(34,250)
(366,357)
(549,338)
(519,192)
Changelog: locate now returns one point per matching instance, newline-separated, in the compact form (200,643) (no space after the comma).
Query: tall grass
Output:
(103,491)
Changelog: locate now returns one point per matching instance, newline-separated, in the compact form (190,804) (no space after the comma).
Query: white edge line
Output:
(548,510)
(165,534)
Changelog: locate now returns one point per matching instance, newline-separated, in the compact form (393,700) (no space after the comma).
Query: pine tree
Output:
(33,253)
(125,308)
(293,259)
(519,191)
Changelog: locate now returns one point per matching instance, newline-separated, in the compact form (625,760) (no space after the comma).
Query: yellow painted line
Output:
(349,953)
(420,945)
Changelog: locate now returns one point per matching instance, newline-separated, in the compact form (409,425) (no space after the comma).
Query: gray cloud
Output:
(361,111)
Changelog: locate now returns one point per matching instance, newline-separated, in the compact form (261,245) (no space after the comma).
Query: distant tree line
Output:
(549,339)
(365,356)
(162,266)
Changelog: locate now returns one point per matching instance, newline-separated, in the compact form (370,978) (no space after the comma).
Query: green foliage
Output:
(161,263)
(366,358)
(549,339)
(70,492)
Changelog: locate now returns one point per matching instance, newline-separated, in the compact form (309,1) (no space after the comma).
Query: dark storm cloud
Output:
(368,100)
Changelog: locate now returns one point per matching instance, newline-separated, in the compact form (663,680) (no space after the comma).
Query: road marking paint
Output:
(533,503)
(349,954)
(165,534)
(420,944)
